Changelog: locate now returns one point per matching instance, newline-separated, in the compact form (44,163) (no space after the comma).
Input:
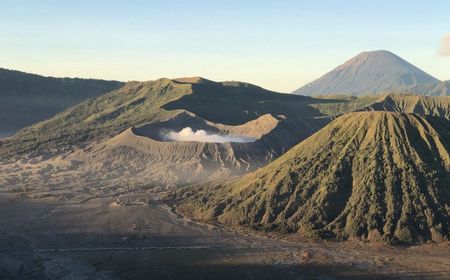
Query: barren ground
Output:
(138,237)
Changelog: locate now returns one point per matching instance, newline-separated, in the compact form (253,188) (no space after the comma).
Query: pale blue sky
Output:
(280,45)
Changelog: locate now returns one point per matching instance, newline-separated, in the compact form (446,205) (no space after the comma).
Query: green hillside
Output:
(371,175)
(28,98)
(140,103)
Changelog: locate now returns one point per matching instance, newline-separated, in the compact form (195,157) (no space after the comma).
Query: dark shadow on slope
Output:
(234,103)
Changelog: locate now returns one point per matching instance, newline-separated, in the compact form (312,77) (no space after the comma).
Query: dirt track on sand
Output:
(126,238)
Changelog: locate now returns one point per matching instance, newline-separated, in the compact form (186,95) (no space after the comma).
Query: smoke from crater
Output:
(187,134)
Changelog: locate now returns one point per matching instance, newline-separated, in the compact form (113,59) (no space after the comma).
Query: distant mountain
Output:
(370,175)
(372,73)
(28,98)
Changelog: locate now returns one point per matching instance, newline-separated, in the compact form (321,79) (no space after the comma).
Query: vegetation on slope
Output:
(423,105)
(344,104)
(392,102)
(140,103)
(374,175)
(235,103)
(28,98)
(135,103)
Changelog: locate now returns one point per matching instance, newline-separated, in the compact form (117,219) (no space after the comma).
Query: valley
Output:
(131,236)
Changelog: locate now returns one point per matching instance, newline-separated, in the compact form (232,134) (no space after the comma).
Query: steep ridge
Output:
(29,98)
(136,103)
(142,157)
(255,129)
(371,175)
(140,103)
(423,105)
(145,157)
(345,103)
(372,73)
(404,103)
(118,141)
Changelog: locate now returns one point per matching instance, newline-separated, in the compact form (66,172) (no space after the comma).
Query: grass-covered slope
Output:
(344,104)
(392,102)
(424,105)
(140,103)
(236,103)
(28,98)
(375,175)
(135,103)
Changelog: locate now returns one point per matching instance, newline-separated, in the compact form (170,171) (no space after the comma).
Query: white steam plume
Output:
(187,134)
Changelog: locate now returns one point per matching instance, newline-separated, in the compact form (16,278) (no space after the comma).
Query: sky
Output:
(280,45)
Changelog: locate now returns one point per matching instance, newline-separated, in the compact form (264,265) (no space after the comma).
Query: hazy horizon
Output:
(280,46)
